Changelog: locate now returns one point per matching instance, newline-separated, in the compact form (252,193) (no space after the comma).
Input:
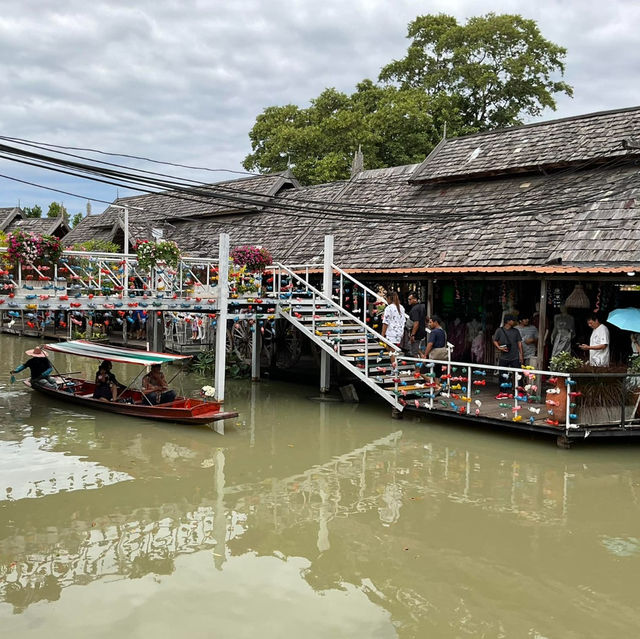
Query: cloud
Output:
(184,80)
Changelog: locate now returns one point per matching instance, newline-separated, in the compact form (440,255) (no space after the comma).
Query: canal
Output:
(308,518)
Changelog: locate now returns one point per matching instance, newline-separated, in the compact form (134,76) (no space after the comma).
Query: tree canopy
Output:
(497,68)
(32,211)
(58,210)
(490,72)
(392,126)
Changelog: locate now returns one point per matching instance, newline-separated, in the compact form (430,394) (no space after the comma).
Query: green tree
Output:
(32,211)
(76,219)
(393,127)
(494,69)
(58,210)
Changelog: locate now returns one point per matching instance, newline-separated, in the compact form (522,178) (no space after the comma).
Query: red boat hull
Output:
(183,410)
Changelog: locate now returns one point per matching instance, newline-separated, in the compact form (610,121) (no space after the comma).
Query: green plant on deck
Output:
(565,363)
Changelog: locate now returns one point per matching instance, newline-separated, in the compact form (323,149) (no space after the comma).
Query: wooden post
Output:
(429,300)
(327,284)
(542,324)
(223,300)
(256,343)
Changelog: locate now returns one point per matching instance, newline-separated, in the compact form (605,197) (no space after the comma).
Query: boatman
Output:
(39,366)
(598,345)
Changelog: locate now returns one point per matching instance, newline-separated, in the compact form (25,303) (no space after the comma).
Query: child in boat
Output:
(155,387)
(106,386)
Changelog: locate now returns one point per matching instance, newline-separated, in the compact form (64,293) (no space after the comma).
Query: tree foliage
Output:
(497,68)
(392,126)
(76,219)
(490,72)
(58,210)
(32,211)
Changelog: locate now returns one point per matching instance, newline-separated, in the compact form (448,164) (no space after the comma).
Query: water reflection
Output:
(428,530)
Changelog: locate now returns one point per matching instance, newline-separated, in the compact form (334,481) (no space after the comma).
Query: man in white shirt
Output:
(598,346)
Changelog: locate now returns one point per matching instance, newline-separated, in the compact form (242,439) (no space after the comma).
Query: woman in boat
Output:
(155,387)
(106,387)
(39,366)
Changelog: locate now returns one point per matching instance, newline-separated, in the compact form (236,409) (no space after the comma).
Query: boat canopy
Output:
(85,348)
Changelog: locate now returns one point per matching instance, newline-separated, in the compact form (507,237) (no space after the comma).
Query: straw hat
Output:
(36,352)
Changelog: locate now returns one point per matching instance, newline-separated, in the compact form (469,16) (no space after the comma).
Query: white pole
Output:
(221,326)
(126,251)
(327,286)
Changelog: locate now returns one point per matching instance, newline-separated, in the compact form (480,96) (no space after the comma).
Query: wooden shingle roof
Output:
(591,138)
(386,219)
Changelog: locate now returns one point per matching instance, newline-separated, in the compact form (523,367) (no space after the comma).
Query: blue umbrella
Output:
(628,319)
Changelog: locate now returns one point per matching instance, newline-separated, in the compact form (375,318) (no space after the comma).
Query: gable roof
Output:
(7,215)
(586,139)
(385,220)
(40,225)
(243,195)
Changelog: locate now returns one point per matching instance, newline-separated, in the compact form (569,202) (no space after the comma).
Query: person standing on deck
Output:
(418,315)
(529,335)
(393,322)
(598,346)
(508,341)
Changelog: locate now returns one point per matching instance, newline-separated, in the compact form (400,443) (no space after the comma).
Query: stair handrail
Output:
(319,293)
(358,283)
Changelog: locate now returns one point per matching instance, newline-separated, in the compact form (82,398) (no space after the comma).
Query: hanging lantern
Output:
(578,298)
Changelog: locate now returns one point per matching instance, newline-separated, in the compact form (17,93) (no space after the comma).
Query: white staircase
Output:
(346,338)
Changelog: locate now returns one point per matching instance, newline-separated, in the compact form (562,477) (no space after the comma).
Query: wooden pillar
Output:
(256,344)
(327,285)
(429,300)
(223,300)
(542,323)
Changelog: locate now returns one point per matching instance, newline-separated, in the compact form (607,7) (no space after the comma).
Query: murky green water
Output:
(306,519)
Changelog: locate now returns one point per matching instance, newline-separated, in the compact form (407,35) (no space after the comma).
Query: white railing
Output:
(475,377)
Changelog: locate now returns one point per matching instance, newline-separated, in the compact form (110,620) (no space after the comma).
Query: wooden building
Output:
(508,219)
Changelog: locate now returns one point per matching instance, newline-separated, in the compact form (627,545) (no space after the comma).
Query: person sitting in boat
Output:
(109,366)
(155,387)
(39,366)
(106,386)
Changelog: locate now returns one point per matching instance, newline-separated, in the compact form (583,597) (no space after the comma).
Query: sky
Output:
(183,80)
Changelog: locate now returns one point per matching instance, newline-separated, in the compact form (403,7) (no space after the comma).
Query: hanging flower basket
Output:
(152,254)
(255,258)
(29,248)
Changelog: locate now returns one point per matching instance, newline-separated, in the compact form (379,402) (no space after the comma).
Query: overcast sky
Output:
(183,80)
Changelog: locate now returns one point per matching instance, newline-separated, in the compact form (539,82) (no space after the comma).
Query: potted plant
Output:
(28,248)
(153,254)
(562,363)
(255,258)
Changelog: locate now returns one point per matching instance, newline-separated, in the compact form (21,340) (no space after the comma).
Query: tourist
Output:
(598,345)
(418,316)
(155,387)
(39,366)
(393,321)
(436,343)
(509,343)
(529,334)
(105,388)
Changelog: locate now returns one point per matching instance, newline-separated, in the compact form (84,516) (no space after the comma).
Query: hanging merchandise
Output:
(578,298)
(597,306)
(556,297)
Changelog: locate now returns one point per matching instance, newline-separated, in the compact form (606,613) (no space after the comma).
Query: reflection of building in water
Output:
(132,549)
(346,506)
